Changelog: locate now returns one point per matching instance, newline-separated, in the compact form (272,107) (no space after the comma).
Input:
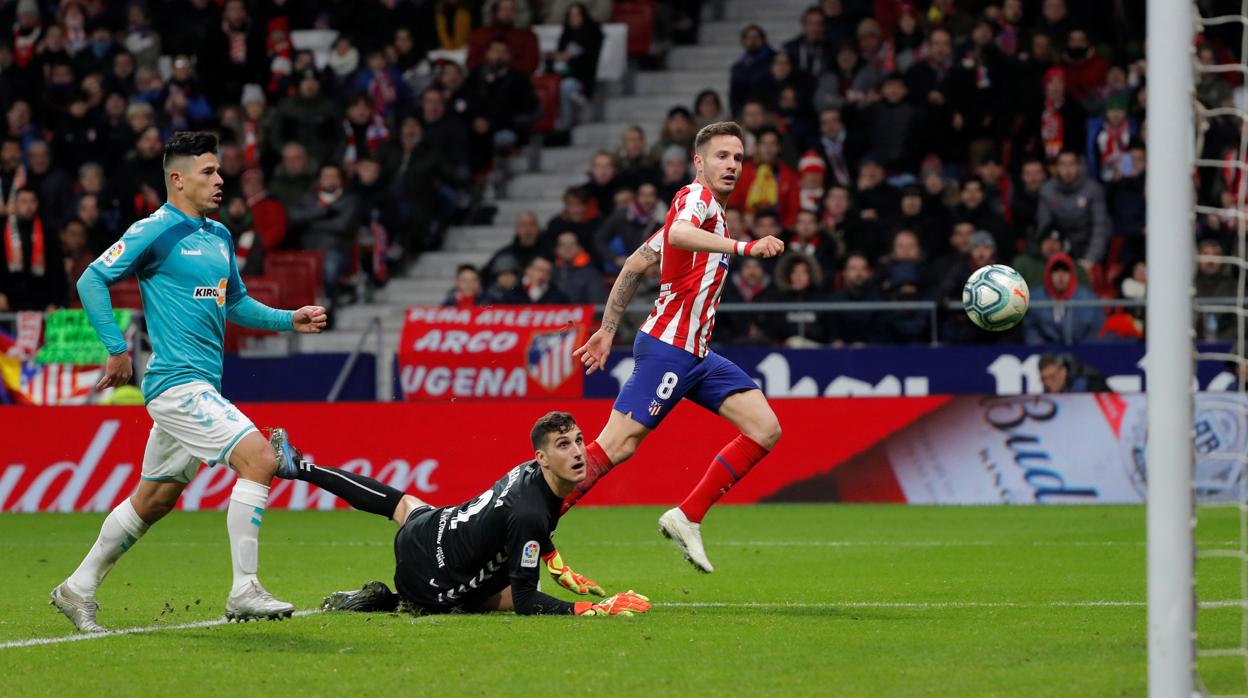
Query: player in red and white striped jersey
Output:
(672,359)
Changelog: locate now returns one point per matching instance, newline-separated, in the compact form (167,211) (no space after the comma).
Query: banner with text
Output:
(1045,449)
(492,352)
(919,370)
(88,458)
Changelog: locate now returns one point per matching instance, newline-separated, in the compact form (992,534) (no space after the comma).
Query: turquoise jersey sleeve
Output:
(126,257)
(249,312)
(99,307)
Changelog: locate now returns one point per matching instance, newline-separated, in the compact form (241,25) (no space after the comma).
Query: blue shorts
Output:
(663,374)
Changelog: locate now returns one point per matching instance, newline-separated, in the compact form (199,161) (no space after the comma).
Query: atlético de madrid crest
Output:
(550,357)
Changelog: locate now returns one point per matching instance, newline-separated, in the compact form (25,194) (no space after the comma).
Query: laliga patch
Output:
(528,558)
(699,208)
(112,254)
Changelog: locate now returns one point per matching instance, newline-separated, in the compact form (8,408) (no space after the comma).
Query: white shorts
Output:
(191,423)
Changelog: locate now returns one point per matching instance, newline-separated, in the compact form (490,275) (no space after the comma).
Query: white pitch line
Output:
(907,604)
(882,544)
(127,631)
(675,604)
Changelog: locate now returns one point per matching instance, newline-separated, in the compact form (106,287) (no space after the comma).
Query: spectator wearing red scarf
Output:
(1062,122)
(1111,136)
(33,274)
(383,85)
(467,291)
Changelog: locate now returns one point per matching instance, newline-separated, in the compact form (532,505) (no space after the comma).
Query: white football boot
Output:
(253,602)
(687,536)
(78,609)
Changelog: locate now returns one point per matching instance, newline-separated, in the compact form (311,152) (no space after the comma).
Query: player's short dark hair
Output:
(550,423)
(189,144)
(466,267)
(719,128)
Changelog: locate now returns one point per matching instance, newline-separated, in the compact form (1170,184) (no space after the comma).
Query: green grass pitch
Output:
(805,600)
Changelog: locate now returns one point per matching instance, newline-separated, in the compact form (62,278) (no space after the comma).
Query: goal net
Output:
(1210,448)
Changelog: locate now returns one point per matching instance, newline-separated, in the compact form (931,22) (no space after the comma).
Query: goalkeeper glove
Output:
(573,582)
(625,604)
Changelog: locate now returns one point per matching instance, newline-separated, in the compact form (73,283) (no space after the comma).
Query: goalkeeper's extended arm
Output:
(573,582)
(628,603)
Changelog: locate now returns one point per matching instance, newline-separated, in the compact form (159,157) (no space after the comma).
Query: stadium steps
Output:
(570,159)
(746,12)
(479,238)
(687,83)
(546,185)
(693,68)
(606,134)
(780,26)
(439,265)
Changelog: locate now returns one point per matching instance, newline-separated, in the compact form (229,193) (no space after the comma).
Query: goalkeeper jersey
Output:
(459,554)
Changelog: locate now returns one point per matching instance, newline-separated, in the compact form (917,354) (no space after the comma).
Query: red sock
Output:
(732,463)
(597,464)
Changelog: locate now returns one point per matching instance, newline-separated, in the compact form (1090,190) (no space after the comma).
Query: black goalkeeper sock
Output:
(363,493)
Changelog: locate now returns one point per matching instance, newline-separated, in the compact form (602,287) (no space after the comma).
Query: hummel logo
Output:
(193,253)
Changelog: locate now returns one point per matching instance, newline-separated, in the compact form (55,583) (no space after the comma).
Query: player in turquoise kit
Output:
(189,280)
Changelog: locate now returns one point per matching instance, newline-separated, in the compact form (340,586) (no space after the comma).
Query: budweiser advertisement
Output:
(492,352)
(1044,449)
(929,450)
(88,458)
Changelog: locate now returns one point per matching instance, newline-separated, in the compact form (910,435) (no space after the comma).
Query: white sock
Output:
(242,520)
(121,530)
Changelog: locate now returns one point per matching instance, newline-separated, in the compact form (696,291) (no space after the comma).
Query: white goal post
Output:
(1170,364)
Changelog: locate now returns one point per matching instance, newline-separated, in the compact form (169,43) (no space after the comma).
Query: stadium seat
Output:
(300,275)
(267,290)
(126,294)
(638,15)
(547,88)
(525,54)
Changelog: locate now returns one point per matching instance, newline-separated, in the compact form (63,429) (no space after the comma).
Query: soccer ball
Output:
(995,297)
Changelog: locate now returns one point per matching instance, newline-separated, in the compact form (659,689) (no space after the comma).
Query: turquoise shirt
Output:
(189,281)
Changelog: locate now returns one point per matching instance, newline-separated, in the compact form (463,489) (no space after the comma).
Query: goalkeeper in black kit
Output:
(485,554)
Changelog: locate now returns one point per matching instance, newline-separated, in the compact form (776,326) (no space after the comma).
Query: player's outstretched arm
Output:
(684,235)
(628,603)
(593,354)
(99,308)
(566,578)
(244,310)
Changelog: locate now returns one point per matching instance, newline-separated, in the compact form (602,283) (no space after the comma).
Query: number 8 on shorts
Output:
(667,385)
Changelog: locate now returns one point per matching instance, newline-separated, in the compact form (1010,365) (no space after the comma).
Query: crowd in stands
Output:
(364,154)
(896,146)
